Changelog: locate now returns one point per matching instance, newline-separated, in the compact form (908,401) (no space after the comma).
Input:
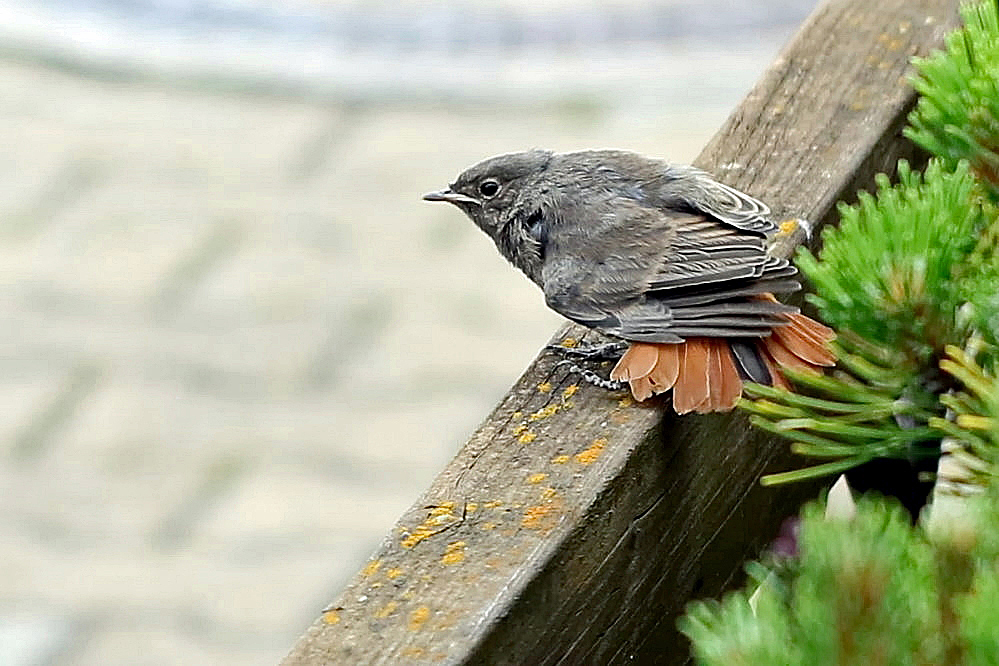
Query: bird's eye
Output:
(488,188)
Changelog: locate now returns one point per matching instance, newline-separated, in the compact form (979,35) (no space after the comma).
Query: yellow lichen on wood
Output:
(589,455)
(414,653)
(560,460)
(418,618)
(438,518)
(527,438)
(570,391)
(570,343)
(331,617)
(492,505)
(387,610)
(393,573)
(541,517)
(416,537)
(471,507)
(371,568)
(544,412)
(454,553)
(537,478)
(545,515)
(520,429)
(545,387)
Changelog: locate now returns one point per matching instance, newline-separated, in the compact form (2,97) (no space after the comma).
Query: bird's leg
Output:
(601,351)
(591,377)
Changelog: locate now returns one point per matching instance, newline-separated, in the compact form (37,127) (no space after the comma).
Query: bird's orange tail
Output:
(704,374)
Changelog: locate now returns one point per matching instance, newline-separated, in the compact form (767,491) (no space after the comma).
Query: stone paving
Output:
(235,345)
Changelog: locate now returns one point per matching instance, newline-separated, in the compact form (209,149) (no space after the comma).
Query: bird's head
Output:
(494,191)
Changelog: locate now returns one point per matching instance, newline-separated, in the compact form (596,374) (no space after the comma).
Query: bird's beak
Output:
(451,197)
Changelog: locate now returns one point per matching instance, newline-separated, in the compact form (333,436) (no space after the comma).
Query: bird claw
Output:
(606,351)
(591,377)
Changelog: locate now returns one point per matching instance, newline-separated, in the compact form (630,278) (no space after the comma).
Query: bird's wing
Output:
(650,275)
(702,250)
(737,209)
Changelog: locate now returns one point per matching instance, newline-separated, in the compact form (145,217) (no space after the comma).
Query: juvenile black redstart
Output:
(659,255)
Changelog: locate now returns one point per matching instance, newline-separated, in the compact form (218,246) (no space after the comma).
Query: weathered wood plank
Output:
(574,525)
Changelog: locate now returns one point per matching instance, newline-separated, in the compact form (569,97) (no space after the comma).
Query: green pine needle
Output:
(957,116)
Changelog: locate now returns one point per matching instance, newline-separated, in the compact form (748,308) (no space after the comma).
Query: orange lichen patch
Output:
(387,610)
(371,568)
(570,391)
(545,387)
(414,653)
(439,518)
(492,505)
(589,456)
(537,478)
(418,618)
(541,517)
(527,438)
(331,617)
(393,573)
(560,460)
(570,342)
(454,553)
(544,412)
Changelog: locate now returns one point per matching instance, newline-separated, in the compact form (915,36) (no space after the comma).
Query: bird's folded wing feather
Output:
(672,275)
(726,204)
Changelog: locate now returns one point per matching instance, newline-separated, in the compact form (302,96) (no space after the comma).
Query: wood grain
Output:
(575,525)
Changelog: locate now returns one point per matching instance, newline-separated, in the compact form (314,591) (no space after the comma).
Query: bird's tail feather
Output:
(704,373)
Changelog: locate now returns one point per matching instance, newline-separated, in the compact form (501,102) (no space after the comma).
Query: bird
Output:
(660,257)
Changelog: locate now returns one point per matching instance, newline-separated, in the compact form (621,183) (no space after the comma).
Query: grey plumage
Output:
(634,247)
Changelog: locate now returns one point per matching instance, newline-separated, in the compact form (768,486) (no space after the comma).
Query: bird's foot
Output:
(591,377)
(601,351)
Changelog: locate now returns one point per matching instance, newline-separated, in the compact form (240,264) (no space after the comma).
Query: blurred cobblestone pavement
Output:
(235,345)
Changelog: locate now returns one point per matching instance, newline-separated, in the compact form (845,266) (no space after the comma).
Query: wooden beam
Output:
(575,525)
